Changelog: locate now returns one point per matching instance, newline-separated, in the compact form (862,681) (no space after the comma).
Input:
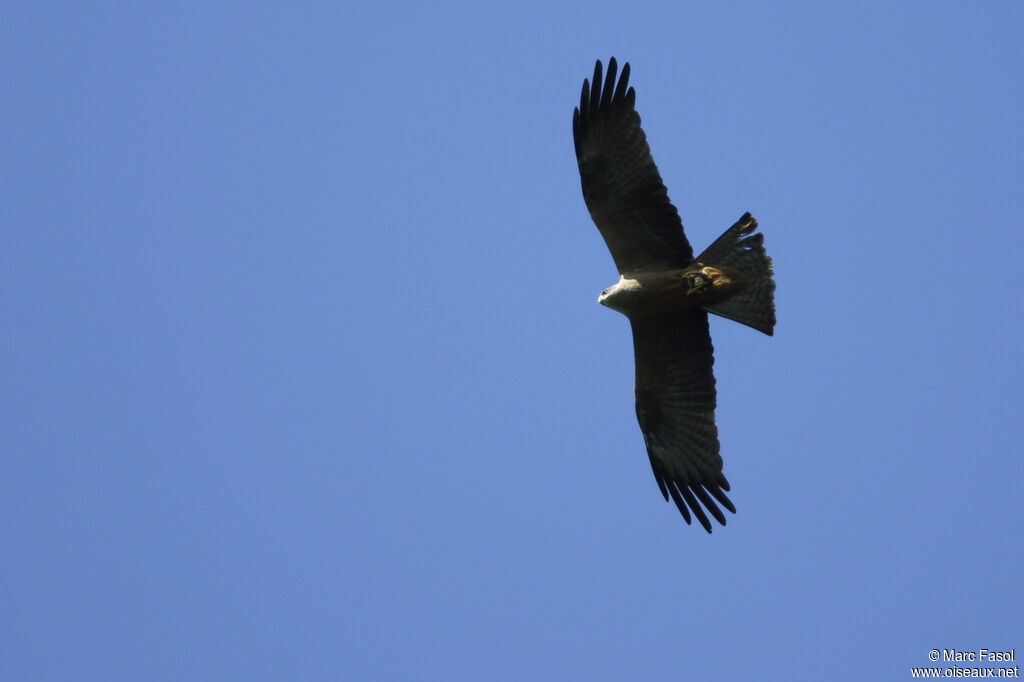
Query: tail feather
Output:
(740,249)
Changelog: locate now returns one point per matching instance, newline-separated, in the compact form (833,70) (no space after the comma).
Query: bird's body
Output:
(667,293)
(659,291)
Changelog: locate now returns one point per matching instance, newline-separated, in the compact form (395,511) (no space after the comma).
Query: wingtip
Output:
(692,500)
(605,87)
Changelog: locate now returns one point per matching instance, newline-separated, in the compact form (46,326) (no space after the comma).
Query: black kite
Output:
(667,294)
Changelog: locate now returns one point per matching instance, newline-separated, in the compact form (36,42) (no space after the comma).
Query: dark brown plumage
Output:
(666,293)
(621,184)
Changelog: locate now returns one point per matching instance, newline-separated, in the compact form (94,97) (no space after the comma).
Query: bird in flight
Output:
(667,293)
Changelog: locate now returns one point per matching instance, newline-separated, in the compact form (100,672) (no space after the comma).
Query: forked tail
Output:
(740,249)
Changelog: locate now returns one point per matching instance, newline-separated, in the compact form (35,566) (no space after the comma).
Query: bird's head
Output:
(621,295)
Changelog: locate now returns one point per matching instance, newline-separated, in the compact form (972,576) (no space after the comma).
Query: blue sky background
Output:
(303,374)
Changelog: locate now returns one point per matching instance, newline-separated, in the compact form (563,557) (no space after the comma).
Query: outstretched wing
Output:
(621,185)
(675,405)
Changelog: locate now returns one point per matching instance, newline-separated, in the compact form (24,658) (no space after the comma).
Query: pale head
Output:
(622,295)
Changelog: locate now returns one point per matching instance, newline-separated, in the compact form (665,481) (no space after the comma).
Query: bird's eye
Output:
(698,281)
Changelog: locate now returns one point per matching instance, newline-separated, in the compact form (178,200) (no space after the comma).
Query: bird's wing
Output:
(675,405)
(621,185)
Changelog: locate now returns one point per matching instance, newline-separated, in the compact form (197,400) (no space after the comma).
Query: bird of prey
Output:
(667,293)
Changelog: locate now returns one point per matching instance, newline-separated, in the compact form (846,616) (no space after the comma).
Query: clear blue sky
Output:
(303,375)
